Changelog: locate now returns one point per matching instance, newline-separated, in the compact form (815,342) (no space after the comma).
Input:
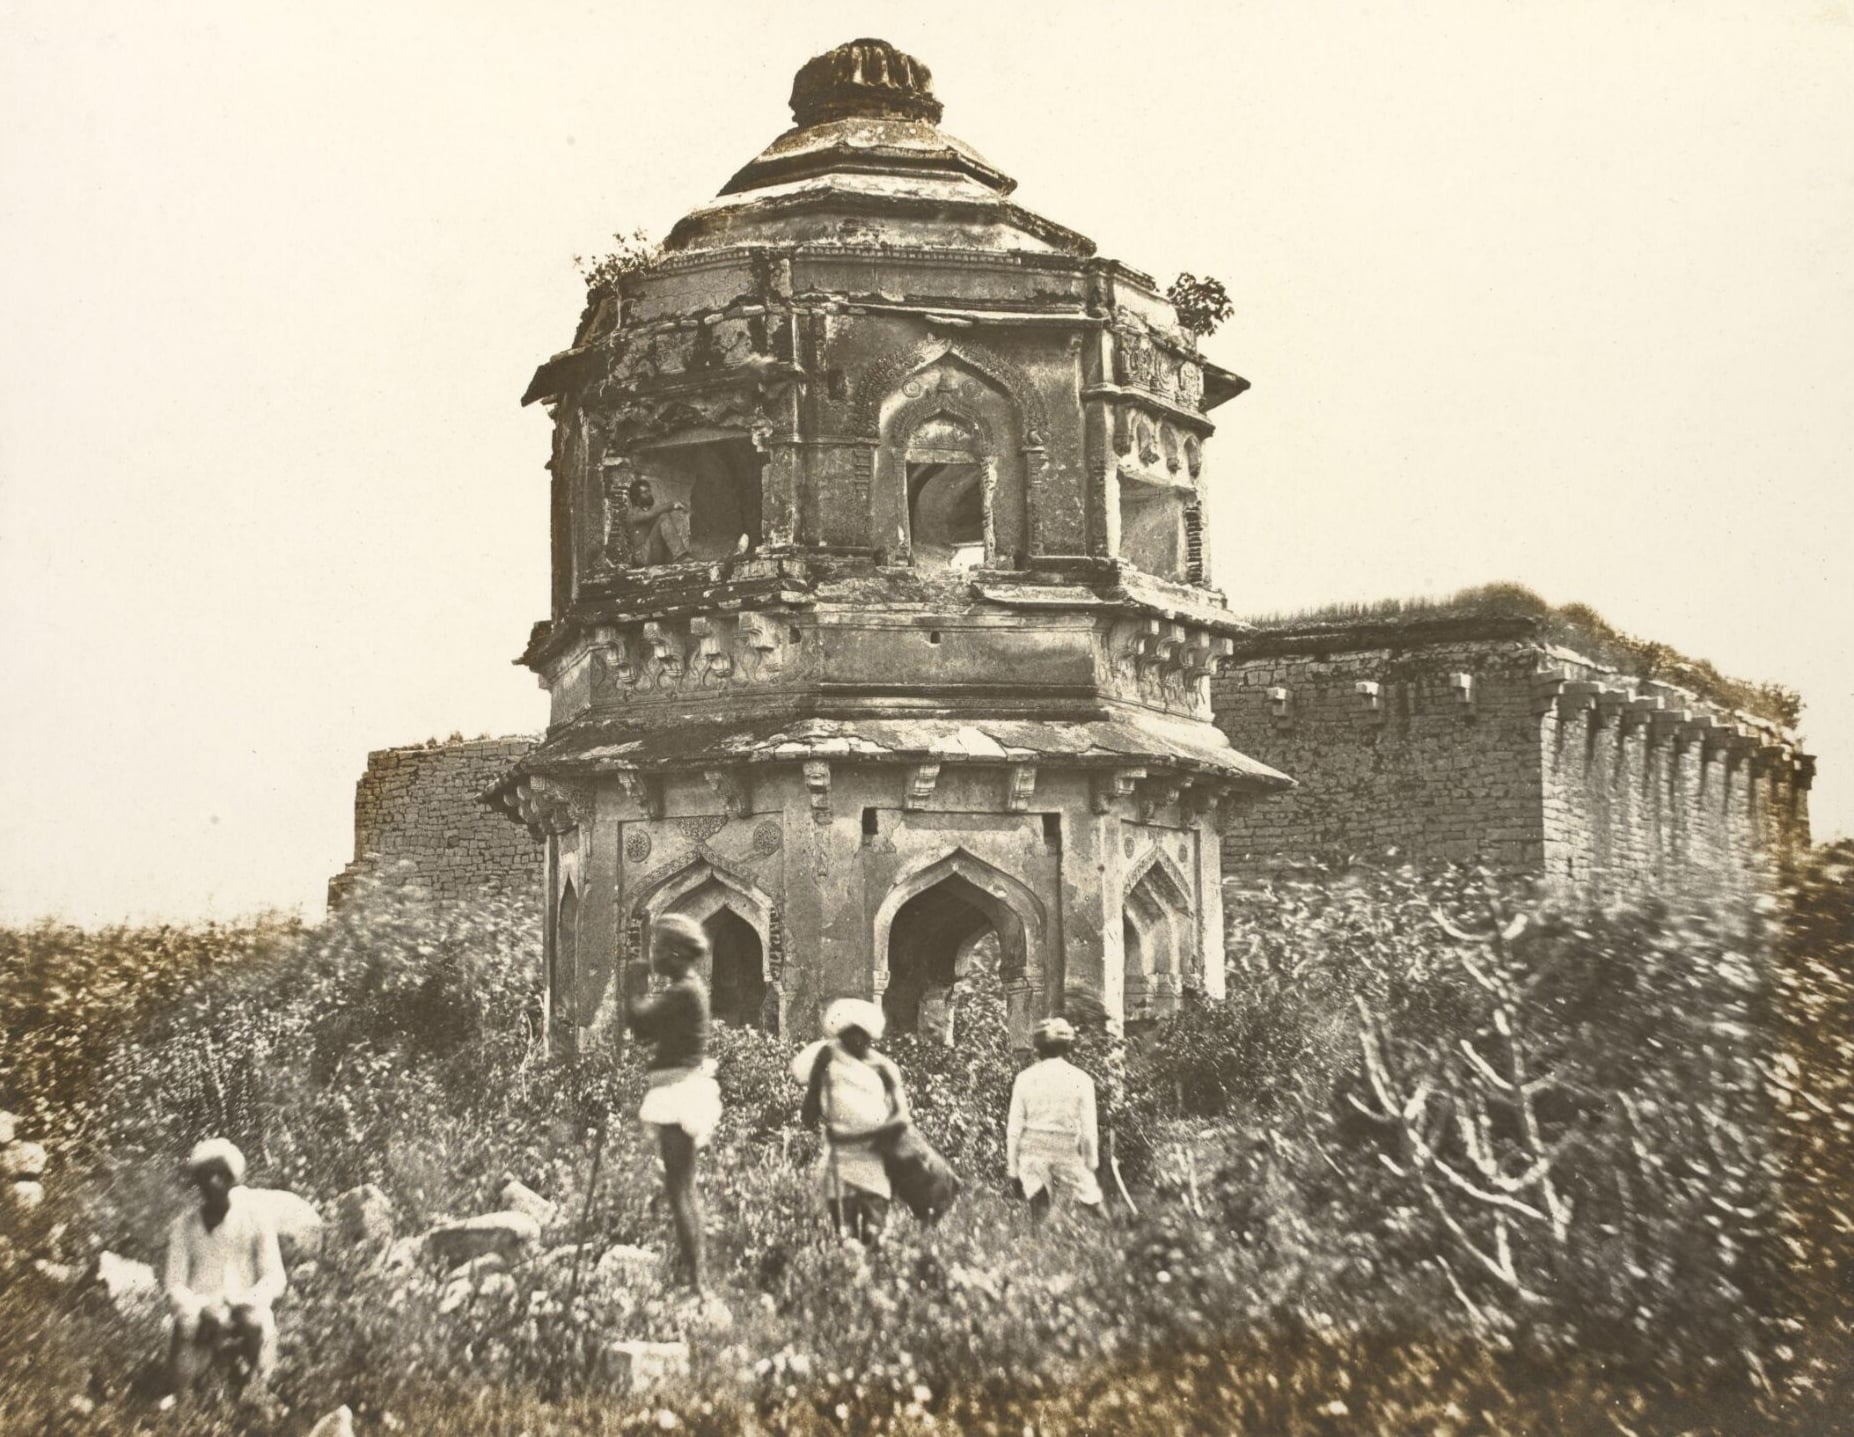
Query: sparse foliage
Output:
(1202,304)
(603,273)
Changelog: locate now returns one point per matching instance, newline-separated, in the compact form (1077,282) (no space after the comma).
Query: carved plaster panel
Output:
(697,655)
(1164,665)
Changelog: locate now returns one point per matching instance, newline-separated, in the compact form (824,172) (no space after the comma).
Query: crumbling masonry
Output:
(882,630)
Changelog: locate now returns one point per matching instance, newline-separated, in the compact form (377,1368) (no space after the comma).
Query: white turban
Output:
(217,1150)
(1055,1032)
(854,1013)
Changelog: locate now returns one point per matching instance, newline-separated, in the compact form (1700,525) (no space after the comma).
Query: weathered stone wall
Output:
(1649,789)
(417,819)
(1448,741)
(1414,761)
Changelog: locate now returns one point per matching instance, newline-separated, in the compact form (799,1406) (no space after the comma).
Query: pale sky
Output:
(1558,293)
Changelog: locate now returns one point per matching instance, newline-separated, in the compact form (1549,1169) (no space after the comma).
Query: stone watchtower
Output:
(881,622)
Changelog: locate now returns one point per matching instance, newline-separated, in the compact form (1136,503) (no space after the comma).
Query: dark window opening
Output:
(1052,830)
(870,825)
(693,502)
(737,983)
(946,494)
(932,933)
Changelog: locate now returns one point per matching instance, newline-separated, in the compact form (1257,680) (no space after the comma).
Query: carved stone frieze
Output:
(875,384)
(1165,665)
(817,780)
(703,653)
(1141,362)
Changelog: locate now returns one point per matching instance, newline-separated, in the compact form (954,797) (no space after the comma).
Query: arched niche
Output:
(949,484)
(1158,931)
(563,959)
(738,917)
(969,898)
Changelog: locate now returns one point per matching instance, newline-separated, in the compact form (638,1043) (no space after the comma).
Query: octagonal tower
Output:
(881,620)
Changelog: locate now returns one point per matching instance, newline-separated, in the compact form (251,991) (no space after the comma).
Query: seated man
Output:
(659,531)
(224,1271)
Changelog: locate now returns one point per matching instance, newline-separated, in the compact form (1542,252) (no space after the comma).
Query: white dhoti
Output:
(1054,1163)
(686,1098)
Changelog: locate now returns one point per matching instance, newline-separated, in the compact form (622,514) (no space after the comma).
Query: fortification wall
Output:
(417,820)
(1648,788)
(1452,740)
(1431,751)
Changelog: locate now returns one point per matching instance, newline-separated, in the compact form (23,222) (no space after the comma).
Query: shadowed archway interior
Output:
(932,930)
(737,982)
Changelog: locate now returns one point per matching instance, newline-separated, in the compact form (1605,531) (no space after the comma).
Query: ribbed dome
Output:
(867,162)
(868,78)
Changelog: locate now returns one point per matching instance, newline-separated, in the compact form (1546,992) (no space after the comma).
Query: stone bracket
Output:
(1157,793)
(921,780)
(1370,699)
(1639,711)
(1021,785)
(709,658)
(1116,783)
(733,787)
(646,792)
(817,780)
(664,650)
(1577,696)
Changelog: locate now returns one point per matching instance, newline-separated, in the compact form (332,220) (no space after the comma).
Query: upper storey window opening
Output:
(946,468)
(1153,529)
(698,500)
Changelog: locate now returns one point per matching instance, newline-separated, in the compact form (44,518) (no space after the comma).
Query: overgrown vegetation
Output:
(604,273)
(1447,1158)
(1575,626)
(1202,304)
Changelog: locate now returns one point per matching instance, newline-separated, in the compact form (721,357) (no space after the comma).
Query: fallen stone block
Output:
(639,1366)
(627,1266)
(298,1225)
(518,1197)
(495,1287)
(127,1284)
(478,1268)
(509,1233)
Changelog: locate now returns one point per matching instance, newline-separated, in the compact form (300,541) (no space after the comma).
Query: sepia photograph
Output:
(1044,721)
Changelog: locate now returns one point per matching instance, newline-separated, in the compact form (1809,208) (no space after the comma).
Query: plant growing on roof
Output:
(603,273)
(1202,304)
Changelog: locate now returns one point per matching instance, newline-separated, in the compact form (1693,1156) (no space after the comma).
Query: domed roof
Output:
(866,163)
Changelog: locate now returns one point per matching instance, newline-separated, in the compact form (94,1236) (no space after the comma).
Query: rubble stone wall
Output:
(417,819)
(1486,743)
(1390,749)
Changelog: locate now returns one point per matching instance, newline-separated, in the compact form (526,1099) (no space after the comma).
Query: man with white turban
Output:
(224,1272)
(1052,1143)
(855,1093)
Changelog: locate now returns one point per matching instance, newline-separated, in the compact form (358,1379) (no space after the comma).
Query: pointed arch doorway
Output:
(942,923)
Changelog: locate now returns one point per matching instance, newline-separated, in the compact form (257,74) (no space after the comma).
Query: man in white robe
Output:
(224,1273)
